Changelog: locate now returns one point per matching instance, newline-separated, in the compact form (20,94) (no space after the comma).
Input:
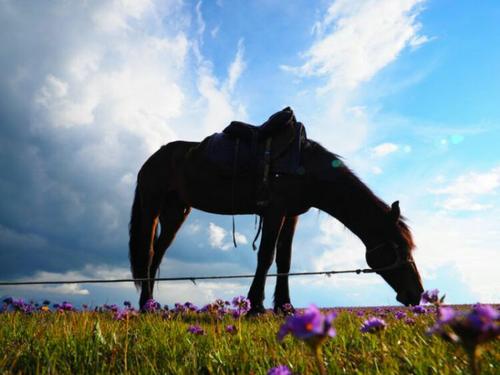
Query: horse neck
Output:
(345,197)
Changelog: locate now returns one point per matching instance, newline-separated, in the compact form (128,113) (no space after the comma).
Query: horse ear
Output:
(395,211)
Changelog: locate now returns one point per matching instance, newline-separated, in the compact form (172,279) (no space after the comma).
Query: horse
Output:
(179,177)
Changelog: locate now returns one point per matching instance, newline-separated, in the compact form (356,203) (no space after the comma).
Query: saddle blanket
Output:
(221,151)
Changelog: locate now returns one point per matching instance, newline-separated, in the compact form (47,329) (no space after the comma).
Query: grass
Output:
(93,342)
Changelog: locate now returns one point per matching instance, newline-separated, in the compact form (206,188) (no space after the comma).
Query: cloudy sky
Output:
(405,90)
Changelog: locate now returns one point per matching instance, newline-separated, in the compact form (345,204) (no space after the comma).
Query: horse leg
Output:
(150,225)
(270,231)
(283,260)
(173,215)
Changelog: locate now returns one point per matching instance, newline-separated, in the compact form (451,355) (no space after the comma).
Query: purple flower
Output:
(419,309)
(242,304)
(190,306)
(127,304)
(280,370)
(400,315)
(372,325)
(471,328)
(287,309)
(446,314)
(113,307)
(124,314)
(151,305)
(310,326)
(231,328)
(66,306)
(8,300)
(196,330)
(179,308)
(410,321)
(430,296)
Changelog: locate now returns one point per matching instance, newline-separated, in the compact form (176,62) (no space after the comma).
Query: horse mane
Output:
(325,157)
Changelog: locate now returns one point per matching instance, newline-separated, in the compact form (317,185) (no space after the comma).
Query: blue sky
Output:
(406,91)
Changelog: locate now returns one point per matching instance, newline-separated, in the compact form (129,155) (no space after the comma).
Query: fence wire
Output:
(193,279)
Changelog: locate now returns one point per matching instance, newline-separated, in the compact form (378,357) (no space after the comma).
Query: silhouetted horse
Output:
(178,176)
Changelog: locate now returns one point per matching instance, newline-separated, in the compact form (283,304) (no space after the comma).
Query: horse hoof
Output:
(284,309)
(256,311)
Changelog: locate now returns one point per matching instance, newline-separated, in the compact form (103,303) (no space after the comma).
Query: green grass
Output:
(94,343)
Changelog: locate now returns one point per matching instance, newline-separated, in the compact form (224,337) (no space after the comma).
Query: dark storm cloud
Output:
(67,161)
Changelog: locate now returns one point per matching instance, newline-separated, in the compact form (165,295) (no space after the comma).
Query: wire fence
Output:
(193,279)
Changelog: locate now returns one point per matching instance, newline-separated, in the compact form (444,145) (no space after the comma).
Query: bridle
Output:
(398,263)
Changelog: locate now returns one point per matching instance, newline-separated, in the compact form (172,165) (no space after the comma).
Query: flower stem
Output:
(473,361)
(318,356)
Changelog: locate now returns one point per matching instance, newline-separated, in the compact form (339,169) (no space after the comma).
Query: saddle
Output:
(249,150)
(278,123)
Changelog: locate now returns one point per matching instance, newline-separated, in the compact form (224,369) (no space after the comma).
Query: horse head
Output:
(392,258)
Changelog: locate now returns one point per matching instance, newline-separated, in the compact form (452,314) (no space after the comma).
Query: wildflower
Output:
(46,302)
(430,296)
(410,321)
(231,328)
(469,329)
(196,330)
(241,304)
(311,325)
(190,307)
(179,308)
(112,308)
(8,300)
(280,370)
(44,308)
(445,315)
(372,325)
(419,309)
(151,306)
(127,304)
(124,314)
(400,315)
(66,306)
(287,309)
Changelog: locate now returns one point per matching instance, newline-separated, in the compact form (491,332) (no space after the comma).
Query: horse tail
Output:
(138,257)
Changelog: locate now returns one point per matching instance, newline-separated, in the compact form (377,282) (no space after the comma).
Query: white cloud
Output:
(217,238)
(236,68)
(199,19)
(165,292)
(384,149)
(466,245)
(339,249)
(215,31)
(358,39)
(355,40)
(63,289)
(216,235)
(462,193)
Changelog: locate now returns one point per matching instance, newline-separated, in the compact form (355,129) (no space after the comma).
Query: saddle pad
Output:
(285,153)
(220,151)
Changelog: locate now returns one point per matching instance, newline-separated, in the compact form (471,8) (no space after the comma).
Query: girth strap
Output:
(263,190)
(235,167)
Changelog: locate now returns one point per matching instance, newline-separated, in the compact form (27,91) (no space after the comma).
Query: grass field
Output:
(65,341)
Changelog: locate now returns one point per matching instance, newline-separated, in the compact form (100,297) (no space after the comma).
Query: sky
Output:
(405,90)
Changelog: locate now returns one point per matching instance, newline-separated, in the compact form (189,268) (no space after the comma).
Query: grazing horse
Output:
(178,176)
